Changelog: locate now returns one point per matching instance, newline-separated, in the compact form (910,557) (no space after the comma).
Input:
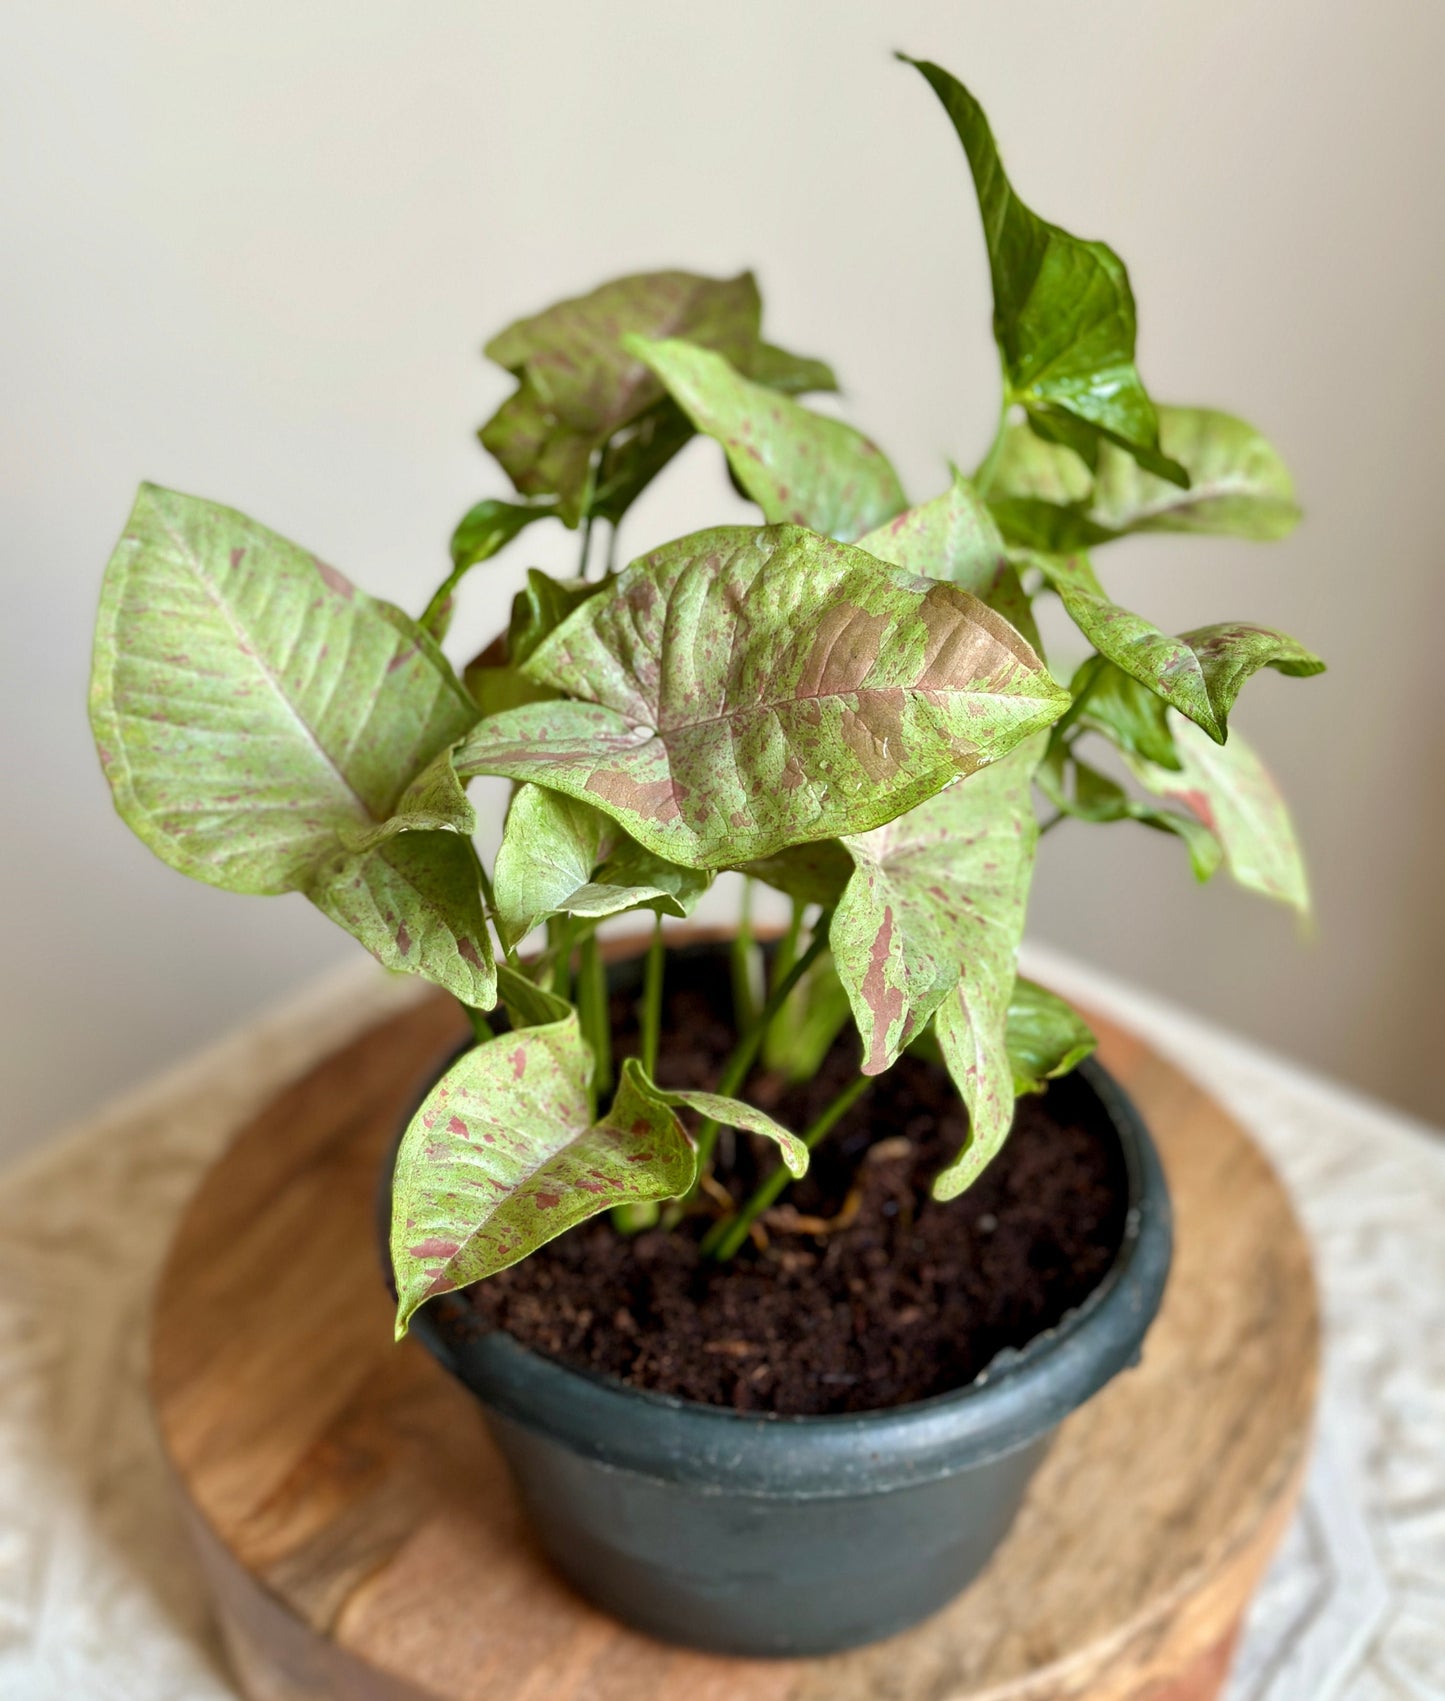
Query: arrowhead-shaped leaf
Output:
(503,1156)
(955,537)
(1095,797)
(1046,1037)
(796,465)
(1046,498)
(1233,795)
(559,856)
(1199,673)
(579,385)
(930,927)
(250,705)
(740,691)
(1063,310)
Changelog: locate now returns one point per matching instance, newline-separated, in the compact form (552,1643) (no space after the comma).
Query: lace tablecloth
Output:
(99,1597)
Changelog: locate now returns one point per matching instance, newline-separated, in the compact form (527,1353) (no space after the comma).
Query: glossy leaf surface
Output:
(1063,314)
(579,384)
(1047,1037)
(740,691)
(1231,793)
(1200,672)
(504,1156)
(930,927)
(796,465)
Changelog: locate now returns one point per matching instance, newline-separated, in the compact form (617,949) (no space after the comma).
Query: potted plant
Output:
(754,1420)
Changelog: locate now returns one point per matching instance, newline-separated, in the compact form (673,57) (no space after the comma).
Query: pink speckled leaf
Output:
(1233,794)
(267,727)
(930,925)
(955,537)
(796,465)
(579,384)
(1199,673)
(736,1113)
(408,889)
(504,1156)
(739,691)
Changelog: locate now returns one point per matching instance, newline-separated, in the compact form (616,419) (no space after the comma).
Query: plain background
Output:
(252,251)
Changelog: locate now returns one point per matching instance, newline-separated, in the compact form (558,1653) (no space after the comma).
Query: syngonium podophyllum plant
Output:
(848,703)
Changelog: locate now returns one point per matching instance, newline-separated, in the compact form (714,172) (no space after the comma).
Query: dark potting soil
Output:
(866,1292)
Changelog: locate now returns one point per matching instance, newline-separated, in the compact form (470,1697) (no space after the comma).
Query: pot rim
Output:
(1022,1394)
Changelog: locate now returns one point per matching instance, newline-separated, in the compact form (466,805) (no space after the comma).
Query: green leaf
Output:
(813,874)
(1126,712)
(503,1156)
(730,1113)
(796,465)
(484,531)
(1199,673)
(527,1004)
(1044,497)
(1046,1037)
(954,537)
(548,864)
(790,374)
(494,678)
(740,691)
(1063,313)
(1238,485)
(579,385)
(802,1033)
(932,918)
(1230,791)
(1095,797)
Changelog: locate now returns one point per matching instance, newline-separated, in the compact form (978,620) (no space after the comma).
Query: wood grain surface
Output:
(362,1541)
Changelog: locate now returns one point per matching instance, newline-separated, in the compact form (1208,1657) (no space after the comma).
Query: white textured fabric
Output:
(99,1597)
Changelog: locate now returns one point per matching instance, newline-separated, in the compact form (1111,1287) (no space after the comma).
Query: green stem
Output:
(1052,822)
(652,999)
(594,1014)
(586,546)
(724,1238)
(481,1027)
(746,1050)
(741,955)
(559,937)
(610,561)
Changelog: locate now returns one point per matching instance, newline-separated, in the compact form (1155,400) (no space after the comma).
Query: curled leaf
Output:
(1046,1036)
(731,1113)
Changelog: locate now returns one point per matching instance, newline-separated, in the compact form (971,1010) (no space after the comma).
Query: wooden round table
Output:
(362,1542)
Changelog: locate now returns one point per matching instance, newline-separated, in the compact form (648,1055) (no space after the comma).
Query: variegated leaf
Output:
(955,537)
(1128,714)
(796,465)
(504,1155)
(1077,789)
(1200,672)
(930,927)
(1234,796)
(559,856)
(740,691)
(579,384)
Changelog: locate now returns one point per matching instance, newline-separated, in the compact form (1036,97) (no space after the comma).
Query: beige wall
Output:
(251,251)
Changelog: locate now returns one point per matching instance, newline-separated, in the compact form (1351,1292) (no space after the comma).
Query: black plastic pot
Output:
(795,1536)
